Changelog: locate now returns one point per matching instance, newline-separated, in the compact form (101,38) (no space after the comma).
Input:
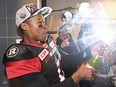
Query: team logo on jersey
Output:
(13,51)
(43,54)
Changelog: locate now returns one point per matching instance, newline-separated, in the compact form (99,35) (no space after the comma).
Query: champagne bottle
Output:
(93,62)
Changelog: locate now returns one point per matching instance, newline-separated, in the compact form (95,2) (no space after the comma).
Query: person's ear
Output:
(24,26)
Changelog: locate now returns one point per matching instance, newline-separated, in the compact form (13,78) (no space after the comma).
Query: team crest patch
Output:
(12,52)
(23,15)
(43,54)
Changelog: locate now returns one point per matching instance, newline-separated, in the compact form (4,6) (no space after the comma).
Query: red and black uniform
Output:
(35,66)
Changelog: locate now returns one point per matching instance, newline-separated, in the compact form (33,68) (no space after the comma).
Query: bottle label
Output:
(89,66)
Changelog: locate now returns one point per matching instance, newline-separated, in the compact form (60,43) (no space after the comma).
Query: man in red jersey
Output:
(35,61)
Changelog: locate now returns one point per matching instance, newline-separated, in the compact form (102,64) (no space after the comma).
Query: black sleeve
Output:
(70,63)
(37,80)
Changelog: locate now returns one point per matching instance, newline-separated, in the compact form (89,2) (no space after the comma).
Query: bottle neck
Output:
(96,57)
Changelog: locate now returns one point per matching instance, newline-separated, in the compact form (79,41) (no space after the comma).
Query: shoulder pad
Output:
(17,52)
(12,51)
